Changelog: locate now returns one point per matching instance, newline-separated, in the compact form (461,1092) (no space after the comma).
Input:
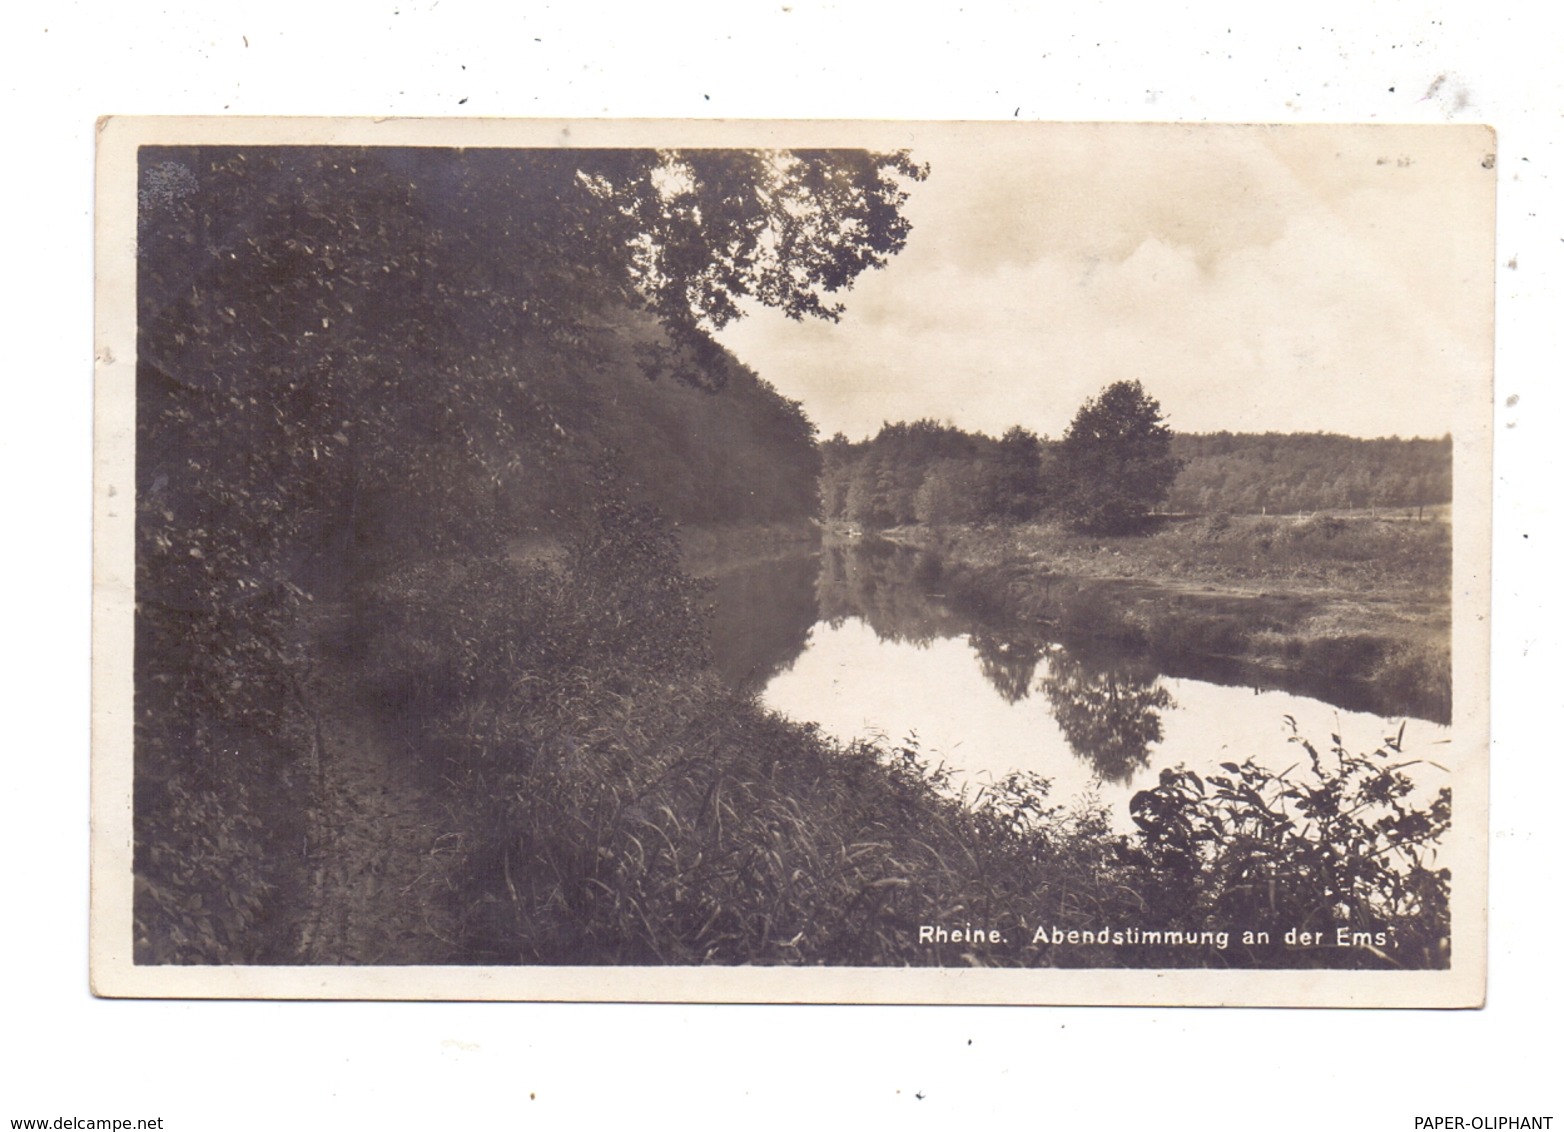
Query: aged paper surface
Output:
(287,805)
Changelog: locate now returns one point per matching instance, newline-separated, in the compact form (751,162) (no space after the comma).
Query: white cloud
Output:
(1253,281)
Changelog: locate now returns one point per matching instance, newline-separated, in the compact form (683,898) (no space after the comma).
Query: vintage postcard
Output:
(792,561)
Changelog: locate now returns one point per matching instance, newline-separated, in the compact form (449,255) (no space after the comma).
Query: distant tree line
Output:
(1111,468)
(926,472)
(1115,465)
(1280,473)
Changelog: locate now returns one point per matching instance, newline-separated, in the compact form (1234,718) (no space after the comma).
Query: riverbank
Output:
(530,762)
(1363,599)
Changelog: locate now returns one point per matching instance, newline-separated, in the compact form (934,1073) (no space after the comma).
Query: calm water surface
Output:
(859,639)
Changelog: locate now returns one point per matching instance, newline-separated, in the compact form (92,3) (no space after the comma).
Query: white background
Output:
(399,1066)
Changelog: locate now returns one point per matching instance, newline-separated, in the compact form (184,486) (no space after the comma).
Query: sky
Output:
(1291,278)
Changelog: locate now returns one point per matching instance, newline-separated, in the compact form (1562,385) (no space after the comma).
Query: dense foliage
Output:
(1110,470)
(932,473)
(936,474)
(1340,845)
(1289,473)
(354,360)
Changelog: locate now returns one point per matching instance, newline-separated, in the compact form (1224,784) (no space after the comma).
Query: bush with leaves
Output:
(1339,841)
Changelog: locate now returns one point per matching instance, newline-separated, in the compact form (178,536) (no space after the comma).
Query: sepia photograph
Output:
(792,561)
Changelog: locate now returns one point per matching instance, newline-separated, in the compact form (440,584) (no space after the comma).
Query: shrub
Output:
(1173,630)
(1346,655)
(1215,526)
(1341,843)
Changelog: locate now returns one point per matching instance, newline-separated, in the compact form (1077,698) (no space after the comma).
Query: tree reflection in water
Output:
(1007,664)
(887,586)
(1108,710)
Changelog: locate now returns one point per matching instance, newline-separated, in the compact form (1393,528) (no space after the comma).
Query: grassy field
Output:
(1357,598)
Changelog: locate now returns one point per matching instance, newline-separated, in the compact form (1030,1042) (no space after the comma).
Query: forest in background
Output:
(933,474)
(1299,472)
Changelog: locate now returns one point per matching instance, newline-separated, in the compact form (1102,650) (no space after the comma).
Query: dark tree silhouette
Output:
(1018,490)
(1114,463)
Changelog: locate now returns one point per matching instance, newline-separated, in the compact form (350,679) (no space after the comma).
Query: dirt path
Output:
(381,858)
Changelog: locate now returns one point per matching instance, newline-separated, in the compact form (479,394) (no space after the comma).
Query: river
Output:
(858,638)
